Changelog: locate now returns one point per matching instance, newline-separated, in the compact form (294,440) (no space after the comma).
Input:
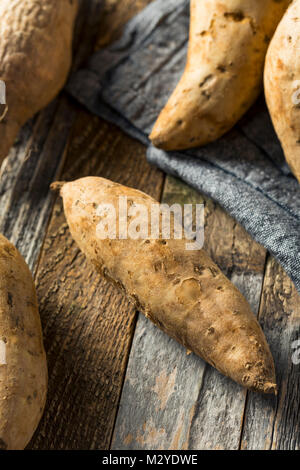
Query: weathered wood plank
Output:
(155,410)
(26,203)
(171,400)
(274,423)
(34,162)
(88,325)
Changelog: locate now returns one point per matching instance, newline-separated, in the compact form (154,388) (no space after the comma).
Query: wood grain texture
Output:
(272,423)
(26,205)
(172,400)
(88,325)
(26,202)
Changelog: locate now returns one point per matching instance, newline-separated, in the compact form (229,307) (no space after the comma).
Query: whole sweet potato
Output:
(182,291)
(224,70)
(35,58)
(23,367)
(282,85)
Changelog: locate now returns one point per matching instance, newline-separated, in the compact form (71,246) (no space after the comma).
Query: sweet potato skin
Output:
(183,292)
(282,85)
(224,71)
(35,58)
(23,374)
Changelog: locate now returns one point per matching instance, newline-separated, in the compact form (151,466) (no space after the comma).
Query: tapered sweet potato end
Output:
(157,141)
(233,342)
(175,129)
(264,376)
(159,138)
(250,365)
(263,379)
(253,366)
(169,135)
(258,376)
(179,125)
(268,388)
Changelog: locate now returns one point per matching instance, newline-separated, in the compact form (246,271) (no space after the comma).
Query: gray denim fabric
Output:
(129,83)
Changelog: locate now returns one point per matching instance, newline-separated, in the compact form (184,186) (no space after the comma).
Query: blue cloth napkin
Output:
(129,83)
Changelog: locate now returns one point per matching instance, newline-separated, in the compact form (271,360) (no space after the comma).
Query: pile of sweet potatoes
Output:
(183,292)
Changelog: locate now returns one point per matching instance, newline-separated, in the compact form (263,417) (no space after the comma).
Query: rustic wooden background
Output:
(115,381)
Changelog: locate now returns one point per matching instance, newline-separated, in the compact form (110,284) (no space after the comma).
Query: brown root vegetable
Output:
(35,58)
(23,366)
(224,71)
(182,291)
(282,85)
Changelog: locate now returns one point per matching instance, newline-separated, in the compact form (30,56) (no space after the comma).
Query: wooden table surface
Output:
(115,381)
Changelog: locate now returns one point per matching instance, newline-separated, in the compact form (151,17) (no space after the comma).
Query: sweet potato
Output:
(35,58)
(23,367)
(183,292)
(224,70)
(282,85)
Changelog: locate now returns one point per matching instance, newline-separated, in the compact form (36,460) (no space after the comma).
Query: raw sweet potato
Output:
(224,71)
(282,85)
(183,292)
(35,58)
(23,367)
